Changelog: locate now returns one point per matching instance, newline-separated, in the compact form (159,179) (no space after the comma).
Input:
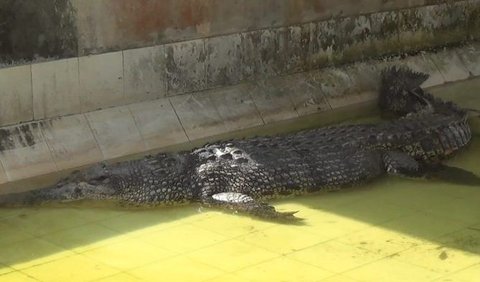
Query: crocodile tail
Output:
(401,95)
(400,92)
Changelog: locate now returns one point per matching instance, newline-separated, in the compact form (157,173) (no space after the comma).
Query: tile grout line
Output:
(176,255)
(395,253)
(123,77)
(179,120)
(31,92)
(234,272)
(97,143)
(431,58)
(186,253)
(256,108)
(124,272)
(457,271)
(135,122)
(80,92)
(164,72)
(3,167)
(49,147)
(28,275)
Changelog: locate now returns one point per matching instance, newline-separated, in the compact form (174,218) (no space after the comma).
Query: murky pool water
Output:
(392,229)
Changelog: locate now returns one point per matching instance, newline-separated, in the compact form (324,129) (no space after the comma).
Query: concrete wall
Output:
(120,24)
(202,68)
(44,29)
(39,90)
(64,28)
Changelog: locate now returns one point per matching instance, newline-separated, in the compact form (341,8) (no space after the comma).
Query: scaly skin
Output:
(239,174)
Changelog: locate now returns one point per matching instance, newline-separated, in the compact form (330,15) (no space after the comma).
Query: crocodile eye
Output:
(226,156)
(242,160)
(212,158)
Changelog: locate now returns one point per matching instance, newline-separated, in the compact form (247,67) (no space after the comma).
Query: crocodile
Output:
(241,175)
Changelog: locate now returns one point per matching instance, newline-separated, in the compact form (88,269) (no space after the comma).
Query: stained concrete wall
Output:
(119,24)
(32,30)
(45,29)
(35,91)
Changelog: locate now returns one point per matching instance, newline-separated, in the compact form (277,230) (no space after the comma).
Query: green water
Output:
(390,220)
(444,208)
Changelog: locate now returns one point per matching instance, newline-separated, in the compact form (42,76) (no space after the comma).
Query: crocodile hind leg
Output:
(245,204)
(400,163)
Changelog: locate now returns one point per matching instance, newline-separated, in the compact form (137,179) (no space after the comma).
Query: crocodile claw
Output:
(291,213)
(269,212)
(288,216)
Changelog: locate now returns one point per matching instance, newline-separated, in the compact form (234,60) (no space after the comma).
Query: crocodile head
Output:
(159,179)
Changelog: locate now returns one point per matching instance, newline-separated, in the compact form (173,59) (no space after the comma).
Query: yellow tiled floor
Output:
(391,230)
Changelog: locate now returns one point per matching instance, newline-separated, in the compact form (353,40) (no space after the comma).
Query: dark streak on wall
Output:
(36,29)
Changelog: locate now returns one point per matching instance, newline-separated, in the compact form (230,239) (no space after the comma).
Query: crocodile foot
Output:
(244,204)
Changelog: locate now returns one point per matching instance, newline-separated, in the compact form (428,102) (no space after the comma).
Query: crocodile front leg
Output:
(245,204)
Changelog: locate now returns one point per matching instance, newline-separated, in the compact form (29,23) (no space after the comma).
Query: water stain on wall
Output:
(36,29)
(24,135)
(148,20)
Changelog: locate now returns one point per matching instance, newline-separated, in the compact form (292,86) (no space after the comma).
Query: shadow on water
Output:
(431,210)
(443,211)
(32,233)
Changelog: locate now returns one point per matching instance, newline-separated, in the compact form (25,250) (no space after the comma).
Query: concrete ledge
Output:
(236,107)
(116,132)
(158,124)
(53,146)
(450,65)
(71,141)
(25,153)
(470,56)
(304,93)
(198,115)
(423,62)
(272,100)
